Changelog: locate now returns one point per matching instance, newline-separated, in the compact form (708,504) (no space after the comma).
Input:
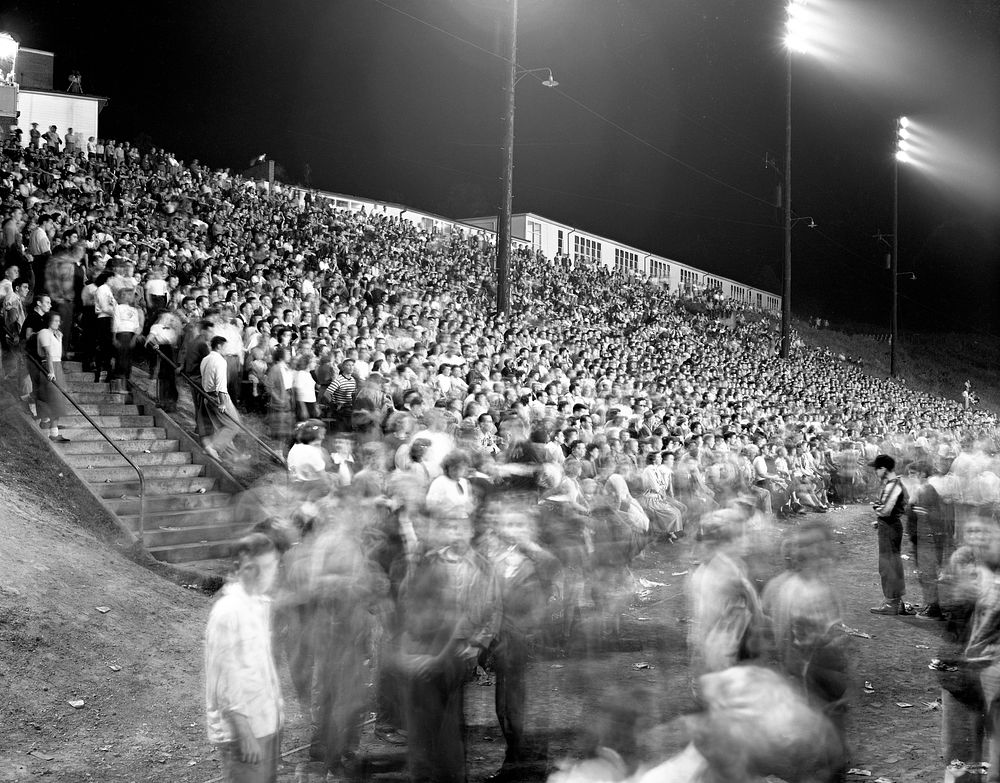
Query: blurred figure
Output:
(803,616)
(968,576)
(347,590)
(754,724)
(449,609)
(925,527)
(243,697)
(724,608)
(525,573)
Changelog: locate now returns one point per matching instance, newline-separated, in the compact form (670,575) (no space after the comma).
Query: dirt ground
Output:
(137,667)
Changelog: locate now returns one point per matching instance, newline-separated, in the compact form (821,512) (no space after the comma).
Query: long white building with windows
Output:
(553,238)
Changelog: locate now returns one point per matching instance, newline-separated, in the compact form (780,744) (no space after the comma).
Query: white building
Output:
(552,238)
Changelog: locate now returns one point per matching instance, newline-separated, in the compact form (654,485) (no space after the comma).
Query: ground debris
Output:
(869,688)
(854,632)
(103,609)
(861,773)
(77,704)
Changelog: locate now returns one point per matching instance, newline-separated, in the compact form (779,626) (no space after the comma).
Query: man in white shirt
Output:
(244,707)
(217,410)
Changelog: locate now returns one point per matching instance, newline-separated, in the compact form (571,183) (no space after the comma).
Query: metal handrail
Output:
(96,426)
(197,387)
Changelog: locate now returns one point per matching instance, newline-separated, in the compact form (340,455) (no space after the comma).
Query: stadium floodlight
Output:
(904,122)
(903,156)
(8,47)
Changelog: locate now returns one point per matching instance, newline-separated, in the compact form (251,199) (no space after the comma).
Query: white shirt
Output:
(49,345)
(214,373)
(306,462)
(104,301)
(305,386)
(240,675)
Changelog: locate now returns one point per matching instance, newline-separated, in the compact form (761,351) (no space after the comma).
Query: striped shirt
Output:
(341,391)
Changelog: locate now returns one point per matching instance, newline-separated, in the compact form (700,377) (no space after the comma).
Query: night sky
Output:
(656,135)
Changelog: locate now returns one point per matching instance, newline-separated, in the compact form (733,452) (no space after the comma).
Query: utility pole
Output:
(507,167)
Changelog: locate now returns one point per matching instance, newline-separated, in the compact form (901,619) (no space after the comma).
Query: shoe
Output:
(390,736)
(907,609)
(931,612)
(58,439)
(887,608)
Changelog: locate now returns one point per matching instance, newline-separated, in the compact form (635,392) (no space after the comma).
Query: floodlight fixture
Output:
(8,47)
(904,122)
(903,156)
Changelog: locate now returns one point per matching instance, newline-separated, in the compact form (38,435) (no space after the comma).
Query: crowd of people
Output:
(469,485)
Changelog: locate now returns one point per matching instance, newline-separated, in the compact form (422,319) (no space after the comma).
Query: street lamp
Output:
(902,155)
(512,74)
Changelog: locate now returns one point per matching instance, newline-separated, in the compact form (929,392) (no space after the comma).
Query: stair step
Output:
(116,460)
(99,397)
(74,376)
(87,386)
(116,433)
(155,487)
(109,409)
(191,517)
(126,473)
(157,537)
(69,367)
(128,446)
(163,503)
(107,421)
(185,553)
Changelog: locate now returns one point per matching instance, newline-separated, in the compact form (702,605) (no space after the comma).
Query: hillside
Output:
(937,363)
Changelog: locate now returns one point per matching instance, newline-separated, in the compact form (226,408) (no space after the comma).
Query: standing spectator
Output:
(51,402)
(339,396)
(126,325)
(40,248)
(104,312)
(12,315)
(217,407)
(889,509)
(243,697)
(35,137)
(53,141)
(281,398)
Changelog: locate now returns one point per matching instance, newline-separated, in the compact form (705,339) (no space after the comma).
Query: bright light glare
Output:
(903,133)
(8,47)
(904,122)
(904,146)
(797,43)
(903,156)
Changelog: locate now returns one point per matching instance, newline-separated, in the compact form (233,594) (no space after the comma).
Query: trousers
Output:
(890,564)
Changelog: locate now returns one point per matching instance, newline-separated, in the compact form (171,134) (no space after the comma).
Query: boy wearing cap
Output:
(889,509)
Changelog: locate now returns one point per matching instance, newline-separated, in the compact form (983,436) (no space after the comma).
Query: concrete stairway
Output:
(188,516)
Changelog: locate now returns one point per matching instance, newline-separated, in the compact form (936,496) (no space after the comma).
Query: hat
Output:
(883,461)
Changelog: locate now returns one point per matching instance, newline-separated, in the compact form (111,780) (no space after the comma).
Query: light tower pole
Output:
(507,166)
(901,156)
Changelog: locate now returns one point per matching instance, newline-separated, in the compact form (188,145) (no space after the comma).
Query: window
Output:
(535,235)
(760,300)
(586,249)
(559,242)
(626,261)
